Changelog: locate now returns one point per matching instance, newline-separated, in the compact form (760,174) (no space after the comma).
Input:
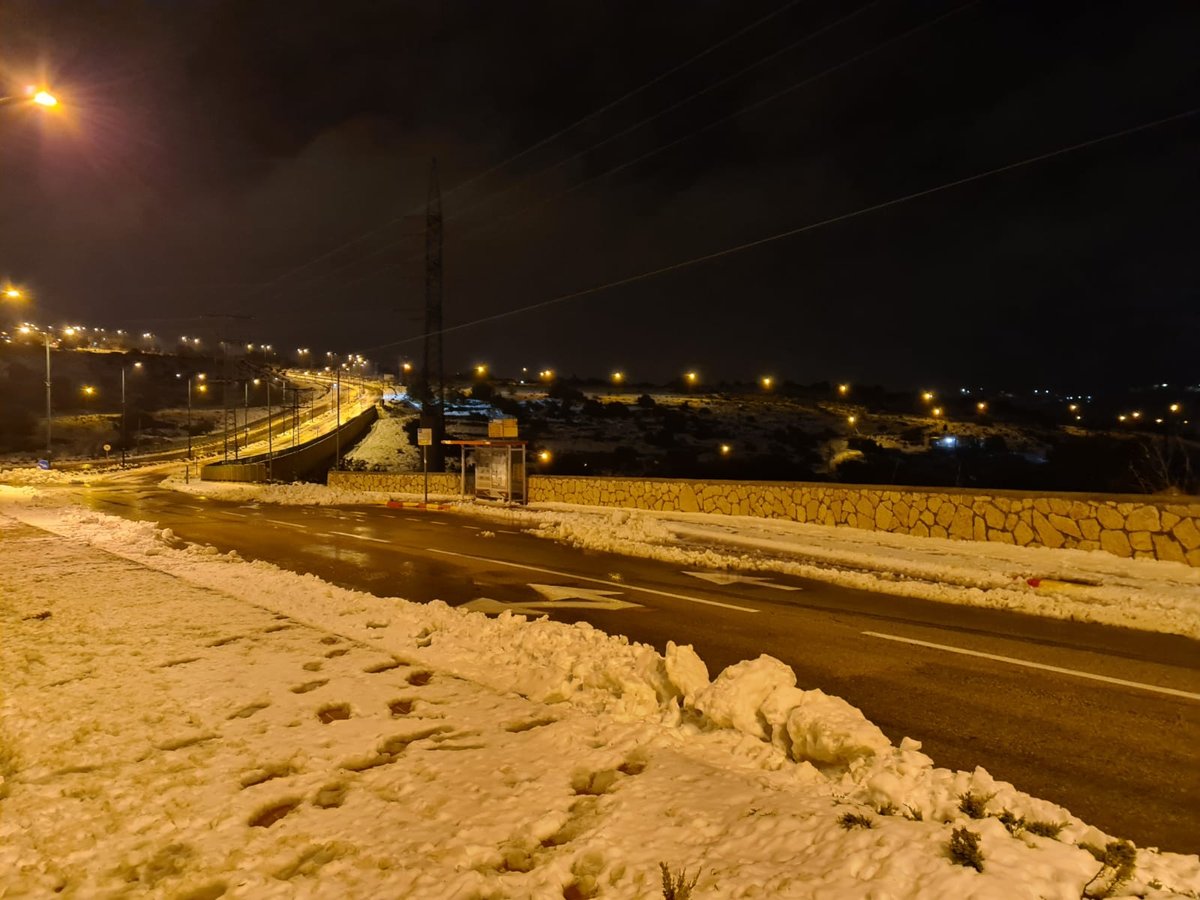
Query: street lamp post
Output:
(189,417)
(48,413)
(124,432)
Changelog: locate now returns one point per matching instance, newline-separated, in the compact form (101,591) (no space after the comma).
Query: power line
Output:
(755,105)
(741,111)
(792,232)
(606,107)
(688,99)
(541,143)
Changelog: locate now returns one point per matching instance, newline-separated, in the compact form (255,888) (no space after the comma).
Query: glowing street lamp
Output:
(936,411)
(89,391)
(691,378)
(981,407)
(1174,407)
(618,377)
(13,293)
(767,382)
(35,95)
(851,420)
(544,456)
(481,371)
(927,396)
(726,449)
(843,389)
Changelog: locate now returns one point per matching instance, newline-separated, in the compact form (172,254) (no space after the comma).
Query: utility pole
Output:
(48,414)
(189,418)
(433,389)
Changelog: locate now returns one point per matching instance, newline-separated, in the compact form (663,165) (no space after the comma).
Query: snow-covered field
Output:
(181,723)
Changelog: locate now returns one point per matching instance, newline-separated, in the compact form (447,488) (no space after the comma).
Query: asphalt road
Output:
(1115,738)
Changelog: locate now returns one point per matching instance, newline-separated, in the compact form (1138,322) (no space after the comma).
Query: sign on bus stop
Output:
(502,428)
(424,437)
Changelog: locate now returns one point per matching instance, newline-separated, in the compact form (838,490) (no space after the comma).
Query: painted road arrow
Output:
(557,596)
(726,578)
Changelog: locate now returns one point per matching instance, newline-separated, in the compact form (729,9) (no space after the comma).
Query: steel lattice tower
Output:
(433,385)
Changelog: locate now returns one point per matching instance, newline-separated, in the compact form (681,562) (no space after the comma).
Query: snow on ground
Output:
(1089,586)
(386,446)
(177,722)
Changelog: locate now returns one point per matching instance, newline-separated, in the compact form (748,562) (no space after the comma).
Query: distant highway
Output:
(1108,726)
(252,440)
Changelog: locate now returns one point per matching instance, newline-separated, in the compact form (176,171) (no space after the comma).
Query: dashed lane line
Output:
(628,587)
(360,537)
(1173,692)
(288,524)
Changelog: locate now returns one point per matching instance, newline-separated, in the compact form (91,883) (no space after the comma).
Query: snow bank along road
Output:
(1104,720)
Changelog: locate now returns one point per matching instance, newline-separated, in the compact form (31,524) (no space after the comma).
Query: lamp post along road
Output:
(48,413)
(123,417)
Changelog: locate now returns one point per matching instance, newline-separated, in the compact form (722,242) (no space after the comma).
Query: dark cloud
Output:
(217,153)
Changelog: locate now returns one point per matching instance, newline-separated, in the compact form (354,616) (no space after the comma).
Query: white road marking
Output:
(563,596)
(505,531)
(361,537)
(1035,665)
(470,527)
(196,508)
(434,522)
(644,590)
(288,524)
(724,578)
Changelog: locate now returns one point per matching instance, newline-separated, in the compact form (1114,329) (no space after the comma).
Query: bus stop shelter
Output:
(499,469)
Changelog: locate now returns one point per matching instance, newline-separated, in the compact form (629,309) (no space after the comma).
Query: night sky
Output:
(210,154)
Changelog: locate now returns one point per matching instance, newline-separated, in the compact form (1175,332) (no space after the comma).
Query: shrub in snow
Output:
(855,820)
(1117,861)
(677,887)
(964,849)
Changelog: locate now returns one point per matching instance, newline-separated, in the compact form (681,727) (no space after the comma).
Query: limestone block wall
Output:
(1123,525)
(440,483)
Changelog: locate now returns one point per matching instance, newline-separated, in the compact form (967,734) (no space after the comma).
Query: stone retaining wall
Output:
(440,483)
(1124,525)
